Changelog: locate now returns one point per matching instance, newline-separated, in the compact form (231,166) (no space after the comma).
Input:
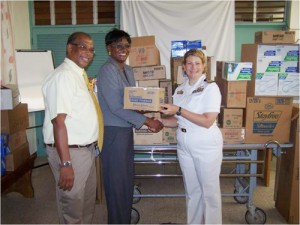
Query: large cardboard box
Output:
(169,135)
(181,76)
(231,118)
(268,118)
(6,98)
(150,73)
(10,97)
(144,136)
(266,84)
(196,44)
(289,56)
(268,59)
(143,98)
(233,135)
(14,120)
(17,157)
(176,64)
(288,84)
(287,195)
(180,47)
(220,66)
(144,52)
(275,37)
(208,65)
(17,139)
(234,93)
(148,83)
(238,71)
(167,85)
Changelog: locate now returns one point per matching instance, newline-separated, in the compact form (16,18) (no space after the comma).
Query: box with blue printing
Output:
(180,47)
(238,71)
(143,98)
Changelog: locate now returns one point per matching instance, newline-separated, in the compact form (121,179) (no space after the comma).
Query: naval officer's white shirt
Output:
(206,98)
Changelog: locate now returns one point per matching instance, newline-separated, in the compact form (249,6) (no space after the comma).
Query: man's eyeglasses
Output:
(84,48)
(120,46)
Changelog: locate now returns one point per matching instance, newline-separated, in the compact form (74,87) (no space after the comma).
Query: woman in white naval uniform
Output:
(196,105)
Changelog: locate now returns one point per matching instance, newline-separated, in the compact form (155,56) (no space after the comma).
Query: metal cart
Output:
(244,156)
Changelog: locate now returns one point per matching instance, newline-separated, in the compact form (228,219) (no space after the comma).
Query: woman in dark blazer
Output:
(118,148)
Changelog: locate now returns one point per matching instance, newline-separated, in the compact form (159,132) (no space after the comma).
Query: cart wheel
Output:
(240,199)
(135,216)
(259,217)
(136,191)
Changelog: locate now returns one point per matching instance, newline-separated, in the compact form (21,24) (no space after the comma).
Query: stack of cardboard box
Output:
(274,84)
(13,125)
(148,72)
(152,87)
(232,80)
(257,93)
(267,95)
(251,119)
(276,57)
(178,49)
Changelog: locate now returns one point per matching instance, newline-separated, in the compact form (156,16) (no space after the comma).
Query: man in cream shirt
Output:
(71,131)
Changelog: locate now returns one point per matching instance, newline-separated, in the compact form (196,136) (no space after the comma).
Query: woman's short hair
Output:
(116,35)
(197,53)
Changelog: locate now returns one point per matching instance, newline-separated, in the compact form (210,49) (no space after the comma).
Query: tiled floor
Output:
(15,209)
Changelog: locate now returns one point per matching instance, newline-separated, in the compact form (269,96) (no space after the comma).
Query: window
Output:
(74,12)
(260,11)
(52,21)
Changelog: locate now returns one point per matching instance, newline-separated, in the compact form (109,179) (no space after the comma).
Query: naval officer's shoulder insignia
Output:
(209,81)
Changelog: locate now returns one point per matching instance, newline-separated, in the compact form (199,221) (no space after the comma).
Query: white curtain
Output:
(212,22)
(8,62)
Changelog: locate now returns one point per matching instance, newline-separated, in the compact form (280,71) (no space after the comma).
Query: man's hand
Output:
(154,125)
(66,178)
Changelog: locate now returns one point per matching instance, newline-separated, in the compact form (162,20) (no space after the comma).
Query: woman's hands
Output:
(169,109)
(205,120)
